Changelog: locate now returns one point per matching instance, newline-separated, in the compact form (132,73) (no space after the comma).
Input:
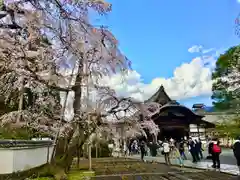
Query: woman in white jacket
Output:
(166,152)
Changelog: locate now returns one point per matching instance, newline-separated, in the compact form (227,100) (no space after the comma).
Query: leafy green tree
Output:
(226,80)
(229,129)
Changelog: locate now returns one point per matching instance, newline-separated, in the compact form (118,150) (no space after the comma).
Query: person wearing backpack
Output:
(216,151)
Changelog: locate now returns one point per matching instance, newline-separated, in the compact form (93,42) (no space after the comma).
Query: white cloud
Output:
(200,49)
(195,49)
(189,80)
(205,51)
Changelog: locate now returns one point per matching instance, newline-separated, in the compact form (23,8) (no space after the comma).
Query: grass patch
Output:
(43,178)
(76,175)
(73,175)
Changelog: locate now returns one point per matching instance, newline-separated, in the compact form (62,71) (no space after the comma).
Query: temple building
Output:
(174,120)
(177,121)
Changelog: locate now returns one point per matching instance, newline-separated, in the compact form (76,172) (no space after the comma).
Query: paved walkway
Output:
(232,169)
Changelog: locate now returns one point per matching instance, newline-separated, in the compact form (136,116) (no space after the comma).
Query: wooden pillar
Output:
(205,133)
(198,130)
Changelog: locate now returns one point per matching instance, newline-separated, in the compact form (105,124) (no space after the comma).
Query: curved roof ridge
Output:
(160,96)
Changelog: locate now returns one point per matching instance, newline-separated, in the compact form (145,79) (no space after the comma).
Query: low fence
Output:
(20,155)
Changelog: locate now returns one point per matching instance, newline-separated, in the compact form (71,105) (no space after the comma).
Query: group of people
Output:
(176,149)
(195,149)
(171,148)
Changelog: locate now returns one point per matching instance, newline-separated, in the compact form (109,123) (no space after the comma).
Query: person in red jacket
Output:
(216,151)
(236,151)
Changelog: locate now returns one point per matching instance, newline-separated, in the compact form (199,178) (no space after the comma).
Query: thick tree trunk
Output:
(78,93)
(74,145)
(69,155)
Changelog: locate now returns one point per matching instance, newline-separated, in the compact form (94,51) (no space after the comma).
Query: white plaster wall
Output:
(19,159)
(194,130)
(197,130)
(24,159)
(6,161)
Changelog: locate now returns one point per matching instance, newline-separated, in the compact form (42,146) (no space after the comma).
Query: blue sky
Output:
(156,35)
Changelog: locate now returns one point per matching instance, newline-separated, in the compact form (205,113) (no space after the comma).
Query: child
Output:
(177,155)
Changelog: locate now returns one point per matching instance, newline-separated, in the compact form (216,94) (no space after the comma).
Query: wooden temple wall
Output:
(196,132)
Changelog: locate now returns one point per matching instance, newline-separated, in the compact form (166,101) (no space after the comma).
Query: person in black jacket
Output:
(200,149)
(192,149)
(142,149)
(236,151)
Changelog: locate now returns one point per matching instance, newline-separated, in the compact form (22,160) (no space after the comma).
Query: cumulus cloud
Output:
(189,80)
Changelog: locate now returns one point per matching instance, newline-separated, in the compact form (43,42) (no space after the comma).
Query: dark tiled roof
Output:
(160,97)
(198,106)
(182,108)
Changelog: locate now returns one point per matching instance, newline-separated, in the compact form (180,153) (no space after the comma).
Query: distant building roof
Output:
(198,106)
(173,102)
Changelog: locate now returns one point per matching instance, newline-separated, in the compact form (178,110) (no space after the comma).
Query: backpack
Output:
(216,149)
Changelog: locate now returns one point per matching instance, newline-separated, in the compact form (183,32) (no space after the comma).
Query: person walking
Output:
(199,149)
(142,149)
(192,150)
(182,149)
(177,155)
(130,148)
(216,151)
(166,151)
(171,143)
(210,145)
(236,151)
(125,149)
